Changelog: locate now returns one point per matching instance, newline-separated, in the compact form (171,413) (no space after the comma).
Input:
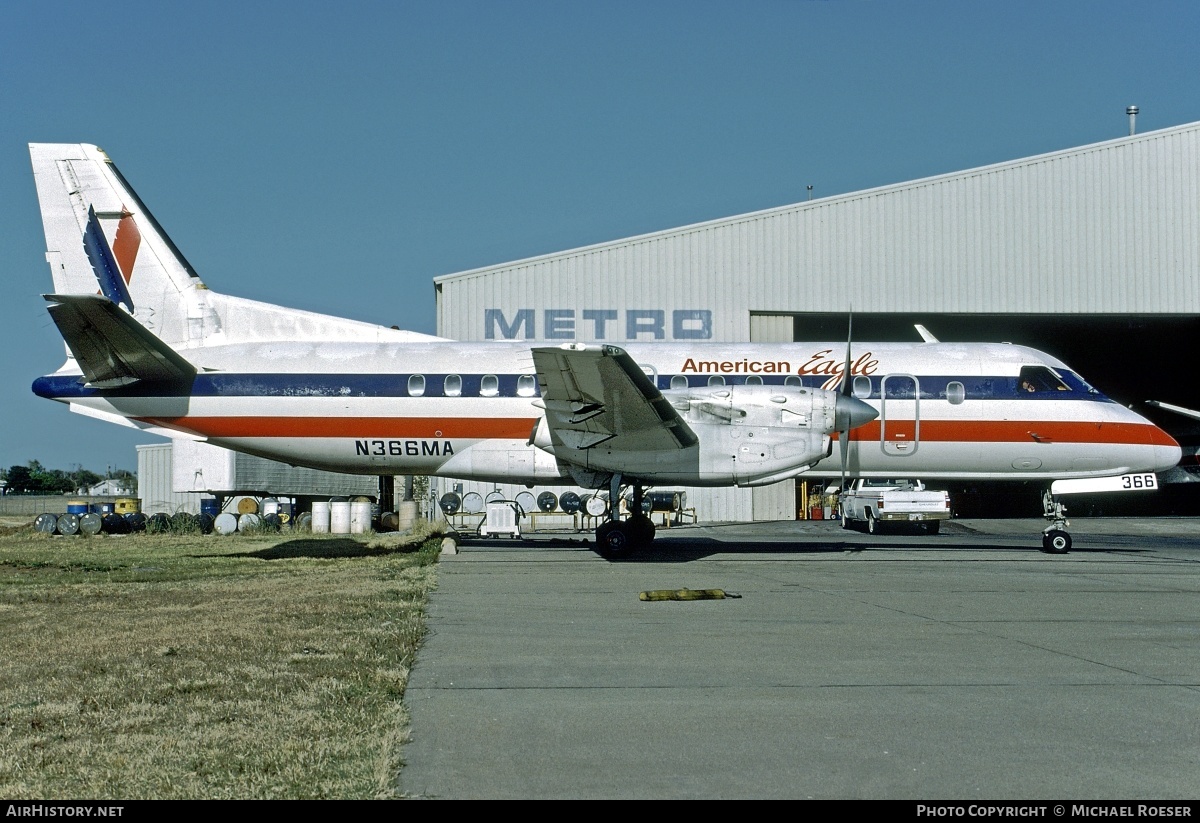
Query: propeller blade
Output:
(847,379)
(844,448)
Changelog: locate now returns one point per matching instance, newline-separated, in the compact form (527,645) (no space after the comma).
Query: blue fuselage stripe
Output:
(397,385)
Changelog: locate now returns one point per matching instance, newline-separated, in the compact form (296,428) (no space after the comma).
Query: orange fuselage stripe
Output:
(1015,431)
(518,428)
(475,428)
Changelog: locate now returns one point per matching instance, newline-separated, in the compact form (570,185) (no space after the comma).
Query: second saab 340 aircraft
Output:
(150,345)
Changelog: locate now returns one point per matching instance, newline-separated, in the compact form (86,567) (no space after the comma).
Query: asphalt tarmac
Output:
(963,666)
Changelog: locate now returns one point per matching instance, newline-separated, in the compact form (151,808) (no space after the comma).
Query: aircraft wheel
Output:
(873,526)
(1056,541)
(614,539)
(642,529)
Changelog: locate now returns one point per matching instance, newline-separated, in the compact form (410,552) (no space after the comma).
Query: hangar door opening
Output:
(1131,358)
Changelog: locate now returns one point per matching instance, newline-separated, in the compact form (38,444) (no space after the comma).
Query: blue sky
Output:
(338,157)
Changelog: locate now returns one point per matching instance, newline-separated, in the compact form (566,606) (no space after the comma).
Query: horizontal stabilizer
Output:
(112,348)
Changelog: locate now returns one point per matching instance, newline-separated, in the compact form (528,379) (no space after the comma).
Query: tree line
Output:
(34,478)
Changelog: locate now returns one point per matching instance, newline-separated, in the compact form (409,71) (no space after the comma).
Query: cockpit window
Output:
(1034,379)
(1077,383)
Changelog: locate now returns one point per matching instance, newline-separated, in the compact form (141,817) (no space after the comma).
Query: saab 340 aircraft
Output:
(151,346)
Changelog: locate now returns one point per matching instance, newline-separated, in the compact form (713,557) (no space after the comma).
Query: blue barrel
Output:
(158,523)
(210,505)
(113,523)
(78,507)
(287,511)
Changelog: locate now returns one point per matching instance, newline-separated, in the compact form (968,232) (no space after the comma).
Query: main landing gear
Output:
(617,538)
(1055,539)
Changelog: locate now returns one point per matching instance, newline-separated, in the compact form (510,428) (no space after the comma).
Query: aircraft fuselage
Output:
(469,410)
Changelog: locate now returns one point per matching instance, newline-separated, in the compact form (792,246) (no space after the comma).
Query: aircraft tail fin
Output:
(102,240)
(111,348)
(84,202)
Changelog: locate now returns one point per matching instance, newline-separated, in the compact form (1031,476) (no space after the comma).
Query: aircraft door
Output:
(899,414)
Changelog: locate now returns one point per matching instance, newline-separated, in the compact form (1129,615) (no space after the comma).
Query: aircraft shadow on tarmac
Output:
(690,549)
(322,548)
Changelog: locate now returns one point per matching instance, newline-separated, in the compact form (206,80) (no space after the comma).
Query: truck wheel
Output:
(933,527)
(845,520)
(872,523)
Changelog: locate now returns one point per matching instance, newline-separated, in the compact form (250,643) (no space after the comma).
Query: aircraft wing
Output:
(597,395)
(1195,415)
(112,348)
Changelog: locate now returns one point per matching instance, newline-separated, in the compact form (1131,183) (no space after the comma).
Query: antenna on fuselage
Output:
(925,335)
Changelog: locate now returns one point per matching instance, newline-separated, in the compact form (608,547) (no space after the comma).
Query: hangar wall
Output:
(1108,228)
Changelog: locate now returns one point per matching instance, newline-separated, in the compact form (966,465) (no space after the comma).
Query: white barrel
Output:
(320,517)
(472,502)
(225,523)
(249,521)
(595,505)
(339,517)
(360,516)
(527,502)
(270,505)
(407,514)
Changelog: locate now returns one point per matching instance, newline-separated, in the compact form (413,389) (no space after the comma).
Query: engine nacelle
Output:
(746,436)
(756,435)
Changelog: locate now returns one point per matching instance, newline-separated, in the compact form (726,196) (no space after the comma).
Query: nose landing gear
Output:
(1055,539)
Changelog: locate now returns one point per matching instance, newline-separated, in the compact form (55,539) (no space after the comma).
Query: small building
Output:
(175,476)
(110,487)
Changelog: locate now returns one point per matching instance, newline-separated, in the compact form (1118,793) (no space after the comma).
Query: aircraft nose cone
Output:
(852,412)
(1167,451)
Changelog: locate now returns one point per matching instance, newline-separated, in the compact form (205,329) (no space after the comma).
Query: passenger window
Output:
(860,387)
(526,385)
(955,392)
(754,380)
(679,381)
(453,387)
(716,380)
(793,380)
(490,386)
(416,385)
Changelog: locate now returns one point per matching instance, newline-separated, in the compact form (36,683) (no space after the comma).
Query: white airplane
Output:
(151,346)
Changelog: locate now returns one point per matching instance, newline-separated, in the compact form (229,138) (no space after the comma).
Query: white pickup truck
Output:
(876,503)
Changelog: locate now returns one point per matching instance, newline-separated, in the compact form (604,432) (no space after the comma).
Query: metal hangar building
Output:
(1091,254)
